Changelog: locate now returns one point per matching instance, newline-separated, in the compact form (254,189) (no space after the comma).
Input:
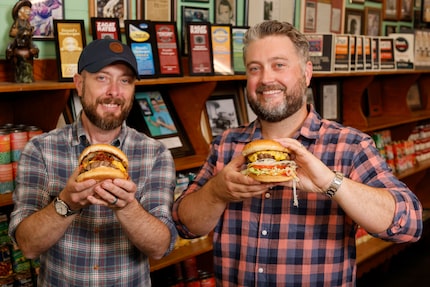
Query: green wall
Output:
(78,9)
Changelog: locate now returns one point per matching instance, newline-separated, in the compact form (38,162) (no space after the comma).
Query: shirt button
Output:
(264,232)
(260,270)
(96,267)
(267,195)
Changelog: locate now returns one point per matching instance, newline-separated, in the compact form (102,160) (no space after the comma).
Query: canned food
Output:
(18,140)
(33,131)
(4,146)
(6,178)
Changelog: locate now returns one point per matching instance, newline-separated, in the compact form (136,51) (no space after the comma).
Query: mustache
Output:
(264,88)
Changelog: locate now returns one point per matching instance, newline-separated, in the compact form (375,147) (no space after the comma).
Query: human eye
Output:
(253,69)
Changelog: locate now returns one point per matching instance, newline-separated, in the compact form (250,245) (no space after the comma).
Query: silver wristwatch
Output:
(335,184)
(63,209)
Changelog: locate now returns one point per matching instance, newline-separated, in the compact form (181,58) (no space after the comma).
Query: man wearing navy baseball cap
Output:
(103,52)
(96,233)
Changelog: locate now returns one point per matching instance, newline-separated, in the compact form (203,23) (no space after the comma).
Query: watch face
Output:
(60,208)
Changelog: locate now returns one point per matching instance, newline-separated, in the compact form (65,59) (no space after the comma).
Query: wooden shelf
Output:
(6,199)
(182,253)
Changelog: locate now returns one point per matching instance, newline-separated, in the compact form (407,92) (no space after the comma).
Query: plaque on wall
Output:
(140,37)
(168,49)
(222,49)
(200,49)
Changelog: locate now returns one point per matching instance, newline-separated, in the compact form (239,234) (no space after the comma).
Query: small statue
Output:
(21,50)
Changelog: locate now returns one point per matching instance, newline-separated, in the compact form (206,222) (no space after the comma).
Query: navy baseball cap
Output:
(103,52)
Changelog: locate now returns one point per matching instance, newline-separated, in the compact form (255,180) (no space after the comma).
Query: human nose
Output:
(114,88)
(267,76)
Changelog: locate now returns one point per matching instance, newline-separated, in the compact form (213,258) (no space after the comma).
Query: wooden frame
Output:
(102,28)
(225,12)
(160,121)
(425,11)
(201,1)
(43,24)
(120,10)
(390,29)
(413,99)
(354,21)
(223,112)
(406,10)
(191,14)
(373,23)
(310,16)
(260,10)
(330,101)
(155,10)
(70,40)
(390,9)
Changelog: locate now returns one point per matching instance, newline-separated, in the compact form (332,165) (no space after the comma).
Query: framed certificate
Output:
(200,49)
(169,61)
(103,28)
(222,49)
(140,37)
(70,40)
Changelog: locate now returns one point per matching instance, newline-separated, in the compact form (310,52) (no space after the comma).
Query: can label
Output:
(18,140)
(4,148)
(6,178)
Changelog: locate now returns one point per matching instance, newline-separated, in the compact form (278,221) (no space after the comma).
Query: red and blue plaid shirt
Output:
(267,241)
(94,250)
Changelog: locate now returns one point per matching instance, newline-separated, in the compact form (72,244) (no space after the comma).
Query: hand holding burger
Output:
(102,161)
(269,161)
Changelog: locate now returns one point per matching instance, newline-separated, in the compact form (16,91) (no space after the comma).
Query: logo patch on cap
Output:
(116,47)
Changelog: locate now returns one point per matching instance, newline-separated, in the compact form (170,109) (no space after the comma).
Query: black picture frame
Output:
(168,52)
(191,15)
(42,18)
(223,112)
(146,116)
(103,28)
(222,49)
(200,57)
(225,12)
(354,20)
(140,37)
(330,101)
(70,40)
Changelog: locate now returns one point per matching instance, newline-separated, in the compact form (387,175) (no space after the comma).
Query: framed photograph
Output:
(70,40)
(310,16)
(390,29)
(330,101)
(390,9)
(155,10)
(166,35)
(140,36)
(413,98)
(354,21)
(154,114)
(201,1)
(225,12)
(223,113)
(191,14)
(42,15)
(120,9)
(373,22)
(260,10)
(105,28)
(425,11)
(406,10)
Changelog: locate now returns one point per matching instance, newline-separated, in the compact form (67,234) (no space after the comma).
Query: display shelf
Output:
(197,247)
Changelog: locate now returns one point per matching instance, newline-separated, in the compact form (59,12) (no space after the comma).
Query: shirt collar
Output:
(80,135)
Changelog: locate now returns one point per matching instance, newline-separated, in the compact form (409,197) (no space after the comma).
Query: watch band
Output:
(335,184)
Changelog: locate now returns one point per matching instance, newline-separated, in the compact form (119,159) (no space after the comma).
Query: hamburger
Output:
(102,161)
(269,161)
